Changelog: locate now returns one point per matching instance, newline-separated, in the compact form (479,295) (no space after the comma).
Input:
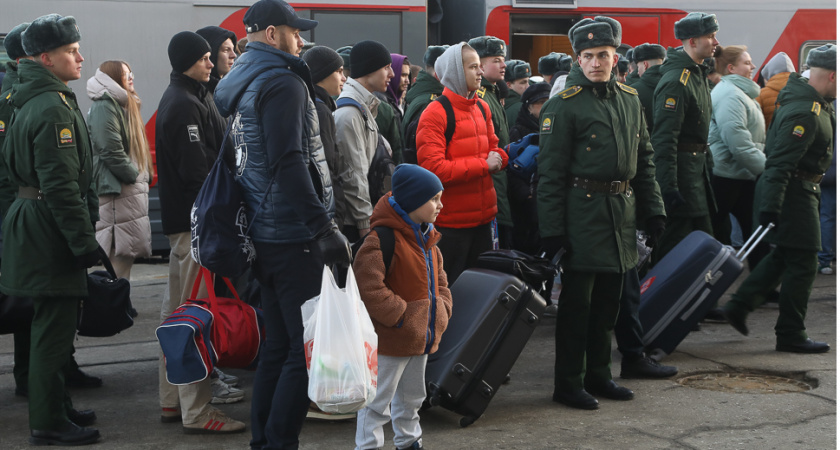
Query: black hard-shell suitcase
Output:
(681,288)
(493,316)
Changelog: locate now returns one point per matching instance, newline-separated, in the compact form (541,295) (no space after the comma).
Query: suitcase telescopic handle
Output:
(753,241)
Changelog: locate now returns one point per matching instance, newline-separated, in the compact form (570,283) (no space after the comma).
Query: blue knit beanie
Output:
(412,186)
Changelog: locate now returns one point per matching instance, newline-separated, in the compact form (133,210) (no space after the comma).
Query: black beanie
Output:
(216,36)
(412,186)
(322,61)
(536,92)
(185,49)
(13,42)
(367,57)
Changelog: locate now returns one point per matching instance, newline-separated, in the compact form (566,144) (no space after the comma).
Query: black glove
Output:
(655,228)
(334,247)
(672,199)
(765,218)
(88,259)
(552,244)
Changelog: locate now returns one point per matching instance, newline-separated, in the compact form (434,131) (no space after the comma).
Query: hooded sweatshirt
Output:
(736,132)
(775,74)
(469,195)
(215,36)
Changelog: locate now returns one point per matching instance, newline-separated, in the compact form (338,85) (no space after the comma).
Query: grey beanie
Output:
(598,32)
(695,24)
(517,69)
(185,49)
(49,32)
(824,57)
(488,46)
(367,57)
(322,62)
(12,42)
(647,51)
(432,54)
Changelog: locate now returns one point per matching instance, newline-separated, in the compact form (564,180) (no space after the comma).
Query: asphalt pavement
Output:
(732,392)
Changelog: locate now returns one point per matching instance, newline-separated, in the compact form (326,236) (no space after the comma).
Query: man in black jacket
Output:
(188,135)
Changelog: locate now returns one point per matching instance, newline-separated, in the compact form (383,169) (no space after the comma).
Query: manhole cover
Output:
(744,383)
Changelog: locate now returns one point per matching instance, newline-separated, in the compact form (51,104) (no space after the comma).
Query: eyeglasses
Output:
(130,76)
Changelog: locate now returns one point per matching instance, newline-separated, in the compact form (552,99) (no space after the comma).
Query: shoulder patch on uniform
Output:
(481,92)
(816,108)
(8,96)
(64,135)
(64,99)
(569,92)
(798,131)
(192,131)
(433,96)
(2,126)
(547,123)
(671,103)
(627,89)
(684,76)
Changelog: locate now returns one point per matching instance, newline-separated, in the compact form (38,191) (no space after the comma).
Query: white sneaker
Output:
(230,380)
(224,393)
(826,269)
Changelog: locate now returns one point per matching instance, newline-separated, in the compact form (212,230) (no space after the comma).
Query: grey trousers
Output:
(400,391)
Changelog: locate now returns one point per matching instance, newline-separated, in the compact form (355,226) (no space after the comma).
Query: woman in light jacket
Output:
(122,166)
(736,138)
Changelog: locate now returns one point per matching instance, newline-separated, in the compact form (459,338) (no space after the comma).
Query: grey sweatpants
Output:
(400,391)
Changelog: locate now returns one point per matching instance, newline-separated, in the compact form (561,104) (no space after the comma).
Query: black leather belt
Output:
(31,193)
(693,148)
(808,176)
(606,187)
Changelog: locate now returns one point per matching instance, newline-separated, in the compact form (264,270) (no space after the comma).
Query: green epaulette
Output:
(627,89)
(569,92)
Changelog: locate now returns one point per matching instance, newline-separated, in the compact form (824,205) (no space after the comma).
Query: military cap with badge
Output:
(695,24)
(517,69)
(488,46)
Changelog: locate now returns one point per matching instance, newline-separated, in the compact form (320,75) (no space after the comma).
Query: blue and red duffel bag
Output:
(204,333)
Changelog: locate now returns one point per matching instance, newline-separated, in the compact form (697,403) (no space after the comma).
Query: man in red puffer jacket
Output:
(463,163)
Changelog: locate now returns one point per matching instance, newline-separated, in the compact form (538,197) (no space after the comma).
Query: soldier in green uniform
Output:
(48,231)
(491,51)
(650,58)
(799,151)
(597,179)
(517,76)
(682,109)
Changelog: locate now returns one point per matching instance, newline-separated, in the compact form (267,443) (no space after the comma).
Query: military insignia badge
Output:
(547,123)
(816,108)
(590,36)
(2,126)
(684,76)
(798,131)
(64,135)
(192,131)
(481,91)
(64,99)
(671,104)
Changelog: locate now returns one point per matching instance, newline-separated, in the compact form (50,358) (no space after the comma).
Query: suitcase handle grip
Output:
(753,241)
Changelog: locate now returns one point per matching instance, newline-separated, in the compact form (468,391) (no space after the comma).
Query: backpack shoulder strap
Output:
(347,101)
(450,117)
(386,244)
(481,107)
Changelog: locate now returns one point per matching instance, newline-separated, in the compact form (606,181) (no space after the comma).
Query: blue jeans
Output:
(289,275)
(828,217)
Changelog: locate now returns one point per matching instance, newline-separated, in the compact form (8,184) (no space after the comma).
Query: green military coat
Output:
(513,103)
(799,139)
(424,91)
(645,86)
(47,147)
(490,94)
(682,110)
(633,78)
(7,195)
(595,133)
(388,122)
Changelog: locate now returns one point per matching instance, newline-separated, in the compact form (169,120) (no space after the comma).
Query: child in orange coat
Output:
(408,302)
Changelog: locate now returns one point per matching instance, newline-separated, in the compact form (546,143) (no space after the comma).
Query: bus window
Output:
(807,46)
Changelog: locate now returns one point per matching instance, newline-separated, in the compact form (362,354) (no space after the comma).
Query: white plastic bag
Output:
(341,347)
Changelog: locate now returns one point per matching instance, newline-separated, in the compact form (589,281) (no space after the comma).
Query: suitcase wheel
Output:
(466,421)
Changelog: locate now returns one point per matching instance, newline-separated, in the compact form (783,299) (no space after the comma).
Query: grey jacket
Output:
(356,140)
(736,132)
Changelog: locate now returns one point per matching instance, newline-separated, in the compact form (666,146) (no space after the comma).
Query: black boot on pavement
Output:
(806,346)
(645,367)
(79,379)
(579,399)
(83,418)
(610,390)
(68,434)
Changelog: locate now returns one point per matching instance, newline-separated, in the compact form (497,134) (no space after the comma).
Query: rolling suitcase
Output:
(494,315)
(682,287)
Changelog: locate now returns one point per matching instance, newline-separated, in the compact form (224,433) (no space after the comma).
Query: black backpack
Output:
(386,244)
(382,166)
(410,151)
